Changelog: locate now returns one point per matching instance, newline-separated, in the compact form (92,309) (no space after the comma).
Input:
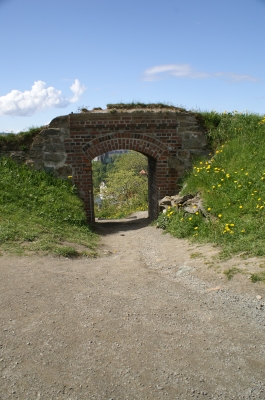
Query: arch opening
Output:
(123,184)
(143,144)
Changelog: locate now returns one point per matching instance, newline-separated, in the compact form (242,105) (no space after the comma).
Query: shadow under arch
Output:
(152,148)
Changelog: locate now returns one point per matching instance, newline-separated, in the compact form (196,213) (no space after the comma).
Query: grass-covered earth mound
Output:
(41,213)
(231,182)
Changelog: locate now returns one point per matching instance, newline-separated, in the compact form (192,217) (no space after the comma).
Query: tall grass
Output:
(39,212)
(231,183)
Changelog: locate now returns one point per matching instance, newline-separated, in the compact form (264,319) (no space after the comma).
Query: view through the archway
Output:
(120,184)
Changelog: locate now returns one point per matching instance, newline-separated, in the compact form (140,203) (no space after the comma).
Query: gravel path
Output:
(146,320)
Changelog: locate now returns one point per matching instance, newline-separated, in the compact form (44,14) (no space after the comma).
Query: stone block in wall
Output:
(61,122)
(54,157)
(183,154)
(53,147)
(175,163)
(19,156)
(48,148)
(63,172)
(194,141)
(36,164)
(198,153)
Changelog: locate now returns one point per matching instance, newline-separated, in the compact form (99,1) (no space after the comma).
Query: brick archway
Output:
(170,139)
(152,148)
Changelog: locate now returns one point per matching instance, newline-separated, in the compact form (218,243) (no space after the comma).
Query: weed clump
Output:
(259,277)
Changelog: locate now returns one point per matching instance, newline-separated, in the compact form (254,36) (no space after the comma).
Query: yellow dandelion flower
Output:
(196,227)
(209,208)
(190,218)
(240,206)
(219,215)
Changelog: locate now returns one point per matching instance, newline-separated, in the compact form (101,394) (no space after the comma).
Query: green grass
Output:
(259,277)
(231,272)
(38,213)
(231,182)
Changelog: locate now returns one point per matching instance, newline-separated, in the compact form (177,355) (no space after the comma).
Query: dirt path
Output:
(146,320)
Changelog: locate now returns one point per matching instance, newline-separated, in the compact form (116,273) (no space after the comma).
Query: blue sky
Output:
(57,55)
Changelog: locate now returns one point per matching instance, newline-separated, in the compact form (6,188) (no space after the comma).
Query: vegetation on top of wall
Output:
(21,140)
(139,105)
(231,184)
(40,213)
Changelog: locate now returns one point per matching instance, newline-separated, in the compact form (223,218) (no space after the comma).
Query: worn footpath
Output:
(152,318)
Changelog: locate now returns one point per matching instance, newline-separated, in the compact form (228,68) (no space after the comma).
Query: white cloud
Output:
(186,71)
(39,98)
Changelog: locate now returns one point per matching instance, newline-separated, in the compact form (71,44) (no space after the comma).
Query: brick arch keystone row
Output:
(117,141)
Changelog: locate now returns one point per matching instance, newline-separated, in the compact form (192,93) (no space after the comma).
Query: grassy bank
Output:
(231,182)
(39,213)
